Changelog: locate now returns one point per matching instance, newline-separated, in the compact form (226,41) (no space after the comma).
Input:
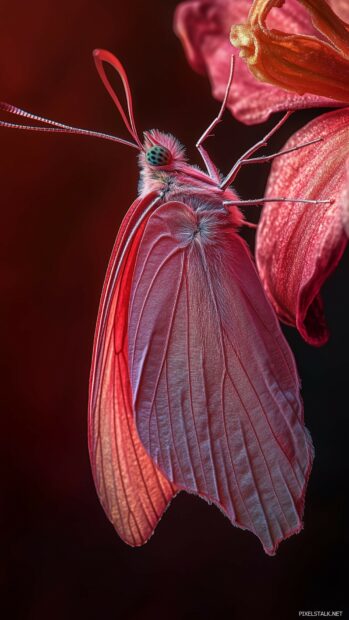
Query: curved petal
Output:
(204,27)
(297,62)
(215,389)
(132,491)
(299,245)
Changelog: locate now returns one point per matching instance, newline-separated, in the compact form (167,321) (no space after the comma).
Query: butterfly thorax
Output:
(165,170)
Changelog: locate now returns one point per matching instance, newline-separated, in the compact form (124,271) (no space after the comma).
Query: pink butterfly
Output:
(193,386)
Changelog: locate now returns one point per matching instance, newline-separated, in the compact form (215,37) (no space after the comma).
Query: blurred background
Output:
(62,201)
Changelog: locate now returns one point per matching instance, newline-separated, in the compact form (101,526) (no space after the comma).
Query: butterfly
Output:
(192,386)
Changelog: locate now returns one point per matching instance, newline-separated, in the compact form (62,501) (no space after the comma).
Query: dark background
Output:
(62,200)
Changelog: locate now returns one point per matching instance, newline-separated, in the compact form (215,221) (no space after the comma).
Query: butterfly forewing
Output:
(133,492)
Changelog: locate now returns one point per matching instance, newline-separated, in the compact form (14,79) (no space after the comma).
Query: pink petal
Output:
(215,389)
(132,491)
(345,203)
(204,27)
(341,7)
(299,245)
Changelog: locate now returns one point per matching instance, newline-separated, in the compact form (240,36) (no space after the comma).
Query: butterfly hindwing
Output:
(215,389)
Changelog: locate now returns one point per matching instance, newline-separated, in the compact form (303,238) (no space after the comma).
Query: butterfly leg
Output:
(262,160)
(210,166)
(245,157)
(261,201)
(266,158)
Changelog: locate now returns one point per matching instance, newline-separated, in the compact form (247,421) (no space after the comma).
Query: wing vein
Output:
(189,371)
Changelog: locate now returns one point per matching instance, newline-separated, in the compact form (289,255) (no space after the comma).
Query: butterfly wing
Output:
(133,492)
(215,389)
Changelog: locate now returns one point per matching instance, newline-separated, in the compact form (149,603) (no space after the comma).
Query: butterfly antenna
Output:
(100,57)
(55,126)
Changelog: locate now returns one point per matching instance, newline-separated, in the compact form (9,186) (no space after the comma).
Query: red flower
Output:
(204,26)
(298,245)
(315,62)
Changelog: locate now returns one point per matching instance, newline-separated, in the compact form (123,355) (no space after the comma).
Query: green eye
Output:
(158,156)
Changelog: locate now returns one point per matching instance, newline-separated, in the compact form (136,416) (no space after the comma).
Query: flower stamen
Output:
(296,62)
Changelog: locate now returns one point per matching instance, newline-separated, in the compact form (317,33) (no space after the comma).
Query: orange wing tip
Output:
(147,533)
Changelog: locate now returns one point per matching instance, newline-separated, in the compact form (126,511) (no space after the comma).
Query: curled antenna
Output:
(100,56)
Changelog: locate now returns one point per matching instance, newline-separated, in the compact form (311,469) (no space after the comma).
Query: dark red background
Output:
(63,198)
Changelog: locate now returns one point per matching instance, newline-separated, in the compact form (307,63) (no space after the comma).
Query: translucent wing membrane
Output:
(133,492)
(215,390)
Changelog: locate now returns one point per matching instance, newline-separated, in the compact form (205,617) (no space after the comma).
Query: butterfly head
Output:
(161,156)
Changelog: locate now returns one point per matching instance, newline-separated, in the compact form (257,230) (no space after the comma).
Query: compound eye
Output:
(158,156)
